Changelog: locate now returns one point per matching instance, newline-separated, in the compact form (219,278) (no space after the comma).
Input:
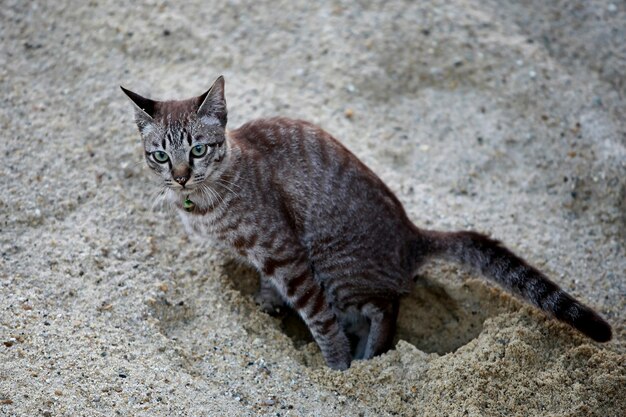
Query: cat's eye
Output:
(198,151)
(160,156)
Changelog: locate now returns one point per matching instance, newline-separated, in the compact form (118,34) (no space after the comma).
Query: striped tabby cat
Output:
(325,233)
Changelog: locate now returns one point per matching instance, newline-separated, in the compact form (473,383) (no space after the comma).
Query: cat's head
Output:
(184,140)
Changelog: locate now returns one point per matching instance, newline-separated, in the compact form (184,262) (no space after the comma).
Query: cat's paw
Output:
(339,362)
(270,302)
(337,353)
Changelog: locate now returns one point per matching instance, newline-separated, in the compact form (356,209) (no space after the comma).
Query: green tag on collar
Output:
(188,204)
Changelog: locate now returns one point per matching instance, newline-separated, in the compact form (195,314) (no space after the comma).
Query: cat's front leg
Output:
(294,280)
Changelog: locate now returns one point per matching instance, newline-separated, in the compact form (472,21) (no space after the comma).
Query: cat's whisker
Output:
(159,198)
(227,187)
(205,192)
(221,197)
(217,195)
(223,180)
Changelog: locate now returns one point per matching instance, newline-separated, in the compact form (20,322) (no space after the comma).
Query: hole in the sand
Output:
(435,317)
(441,318)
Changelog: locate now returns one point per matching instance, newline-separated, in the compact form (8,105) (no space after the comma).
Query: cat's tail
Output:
(501,265)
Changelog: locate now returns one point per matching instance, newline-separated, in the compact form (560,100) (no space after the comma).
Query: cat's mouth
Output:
(185,189)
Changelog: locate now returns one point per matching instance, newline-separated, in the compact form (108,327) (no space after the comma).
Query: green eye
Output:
(198,151)
(160,156)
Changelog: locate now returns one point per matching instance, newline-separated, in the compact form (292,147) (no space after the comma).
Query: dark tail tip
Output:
(581,317)
(594,326)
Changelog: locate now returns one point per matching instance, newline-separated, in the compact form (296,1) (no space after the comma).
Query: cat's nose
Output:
(181,179)
(181,174)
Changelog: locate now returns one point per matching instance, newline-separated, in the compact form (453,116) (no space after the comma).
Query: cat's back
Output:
(299,146)
(279,134)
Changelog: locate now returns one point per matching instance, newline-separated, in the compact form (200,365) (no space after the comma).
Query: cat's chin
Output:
(178,195)
(180,192)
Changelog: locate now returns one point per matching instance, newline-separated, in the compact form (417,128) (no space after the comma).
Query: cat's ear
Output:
(212,108)
(144,109)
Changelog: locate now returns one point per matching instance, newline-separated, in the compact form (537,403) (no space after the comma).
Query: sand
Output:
(500,116)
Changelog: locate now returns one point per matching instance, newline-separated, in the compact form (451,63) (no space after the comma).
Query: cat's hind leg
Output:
(382,317)
(357,329)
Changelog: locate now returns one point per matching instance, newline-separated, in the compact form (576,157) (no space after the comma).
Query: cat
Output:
(327,236)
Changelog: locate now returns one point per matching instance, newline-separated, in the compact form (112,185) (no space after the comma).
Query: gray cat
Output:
(326,234)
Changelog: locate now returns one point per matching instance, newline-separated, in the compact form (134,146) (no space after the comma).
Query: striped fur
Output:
(327,236)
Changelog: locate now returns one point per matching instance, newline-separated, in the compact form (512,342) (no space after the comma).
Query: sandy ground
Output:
(500,116)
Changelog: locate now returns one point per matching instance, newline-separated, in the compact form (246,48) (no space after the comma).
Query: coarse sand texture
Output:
(505,117)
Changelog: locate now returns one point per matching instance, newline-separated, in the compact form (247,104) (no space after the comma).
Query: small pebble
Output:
(597,101)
